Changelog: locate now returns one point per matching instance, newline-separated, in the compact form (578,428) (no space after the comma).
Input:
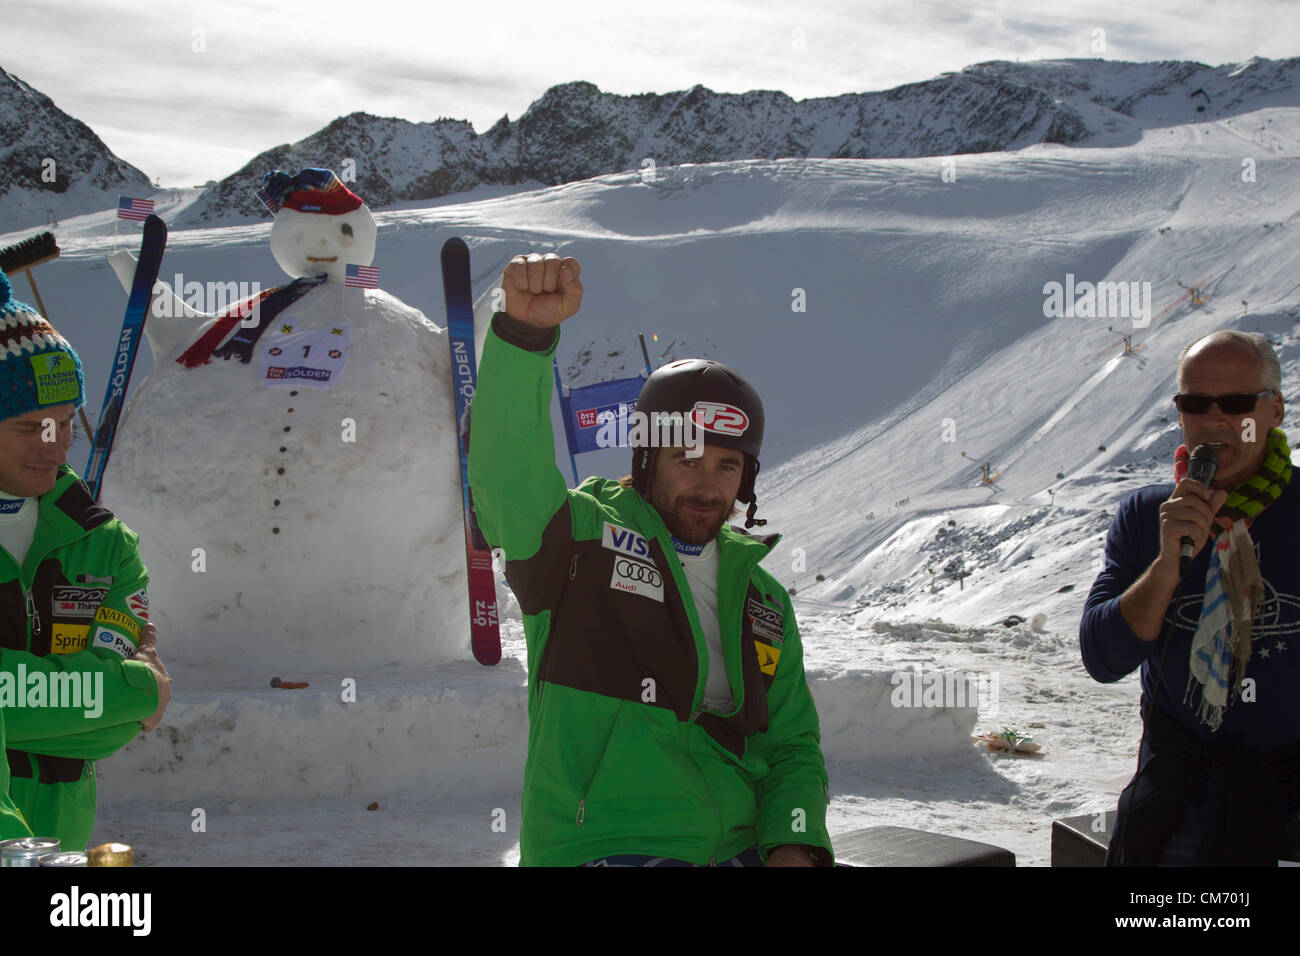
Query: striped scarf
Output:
(1233,586)
(268,304)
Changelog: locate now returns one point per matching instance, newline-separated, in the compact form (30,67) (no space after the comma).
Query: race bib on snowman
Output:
(311,357)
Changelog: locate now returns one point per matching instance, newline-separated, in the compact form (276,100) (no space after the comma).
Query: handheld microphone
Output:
(1200,467)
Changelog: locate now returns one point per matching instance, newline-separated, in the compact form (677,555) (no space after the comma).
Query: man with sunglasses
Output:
(1218,778)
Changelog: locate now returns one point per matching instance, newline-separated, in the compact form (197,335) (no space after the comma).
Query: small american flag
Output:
(362,277)
(136,209)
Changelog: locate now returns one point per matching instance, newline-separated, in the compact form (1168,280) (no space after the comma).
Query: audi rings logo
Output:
(636,571)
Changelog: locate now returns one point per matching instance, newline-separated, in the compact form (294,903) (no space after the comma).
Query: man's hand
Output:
(1189,513)
(542,291)
(789,855)
(147,653)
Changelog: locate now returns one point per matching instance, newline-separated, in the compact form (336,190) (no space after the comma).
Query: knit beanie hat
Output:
(312,190)
(38,367)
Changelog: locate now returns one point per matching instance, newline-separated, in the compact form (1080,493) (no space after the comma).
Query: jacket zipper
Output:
(33,616)
(600,759)
(573,573)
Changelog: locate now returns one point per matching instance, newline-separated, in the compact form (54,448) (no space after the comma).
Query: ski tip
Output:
(455,244)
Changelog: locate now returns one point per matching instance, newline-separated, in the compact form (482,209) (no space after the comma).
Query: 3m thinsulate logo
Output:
(77,601)
(720,418)
(768,623)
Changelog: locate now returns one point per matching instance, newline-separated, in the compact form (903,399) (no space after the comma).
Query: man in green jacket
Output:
(670,722)
(79,672)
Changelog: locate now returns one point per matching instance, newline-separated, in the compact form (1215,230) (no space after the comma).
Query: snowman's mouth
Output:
(317,259)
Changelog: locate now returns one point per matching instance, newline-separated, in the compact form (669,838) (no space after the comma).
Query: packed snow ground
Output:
(924,304)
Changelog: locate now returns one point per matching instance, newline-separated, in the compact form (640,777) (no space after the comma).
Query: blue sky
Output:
(192,91)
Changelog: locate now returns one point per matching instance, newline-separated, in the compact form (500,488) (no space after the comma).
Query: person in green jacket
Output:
(79,670)
(670,722)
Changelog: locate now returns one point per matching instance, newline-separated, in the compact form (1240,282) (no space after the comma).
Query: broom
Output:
(21,257)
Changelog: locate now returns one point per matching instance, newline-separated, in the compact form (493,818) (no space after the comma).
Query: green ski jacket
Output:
(622,755)
(12,824)
(70,618)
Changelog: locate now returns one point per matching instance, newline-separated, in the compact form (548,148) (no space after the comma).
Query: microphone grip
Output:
(1185,555)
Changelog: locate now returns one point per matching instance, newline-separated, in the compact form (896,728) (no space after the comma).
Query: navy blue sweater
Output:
(1253,760)
(1111,649)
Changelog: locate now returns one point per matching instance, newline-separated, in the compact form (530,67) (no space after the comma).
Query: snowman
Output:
(291,468)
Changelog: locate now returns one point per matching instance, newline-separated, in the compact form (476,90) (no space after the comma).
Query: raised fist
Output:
(540,290)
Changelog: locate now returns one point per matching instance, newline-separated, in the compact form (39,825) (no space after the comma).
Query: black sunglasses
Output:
(1236,403)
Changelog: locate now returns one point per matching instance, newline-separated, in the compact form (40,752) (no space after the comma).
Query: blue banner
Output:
(587,408)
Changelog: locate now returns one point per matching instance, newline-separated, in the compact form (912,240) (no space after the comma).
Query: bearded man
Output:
(670,722)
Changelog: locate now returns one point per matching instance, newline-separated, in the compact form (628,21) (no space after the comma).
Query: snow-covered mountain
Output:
(52,164)
(576,131)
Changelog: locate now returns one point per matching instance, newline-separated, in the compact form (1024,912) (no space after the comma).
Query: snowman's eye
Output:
(347,229)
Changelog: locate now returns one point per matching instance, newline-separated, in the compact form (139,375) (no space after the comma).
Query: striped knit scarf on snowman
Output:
(1233,585)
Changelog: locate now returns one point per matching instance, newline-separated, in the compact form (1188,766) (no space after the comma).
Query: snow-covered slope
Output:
(923,320)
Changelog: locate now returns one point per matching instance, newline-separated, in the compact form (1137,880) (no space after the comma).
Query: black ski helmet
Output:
(720,402)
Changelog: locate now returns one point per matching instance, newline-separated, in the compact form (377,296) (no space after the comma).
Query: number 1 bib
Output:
(311,357)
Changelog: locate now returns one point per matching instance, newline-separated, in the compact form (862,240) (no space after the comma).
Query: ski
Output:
(485,636)
(128,344)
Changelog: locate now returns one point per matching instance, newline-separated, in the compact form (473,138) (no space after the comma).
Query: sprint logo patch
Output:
(68,638)
(767,657)
(634,577)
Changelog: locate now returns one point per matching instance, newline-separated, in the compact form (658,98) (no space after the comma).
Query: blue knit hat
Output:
(38,368)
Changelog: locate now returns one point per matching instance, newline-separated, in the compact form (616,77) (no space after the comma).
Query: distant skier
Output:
(670,722)
(1218,778)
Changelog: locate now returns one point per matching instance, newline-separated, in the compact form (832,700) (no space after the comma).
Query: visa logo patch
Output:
(625,541)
